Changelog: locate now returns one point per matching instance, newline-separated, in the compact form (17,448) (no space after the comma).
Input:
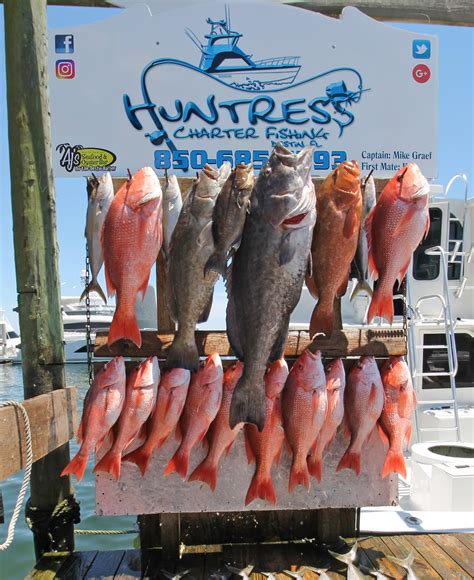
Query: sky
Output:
(455,148)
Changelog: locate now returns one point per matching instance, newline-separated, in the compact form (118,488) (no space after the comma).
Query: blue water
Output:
(19,558)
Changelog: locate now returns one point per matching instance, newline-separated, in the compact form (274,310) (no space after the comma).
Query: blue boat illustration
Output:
(222,58)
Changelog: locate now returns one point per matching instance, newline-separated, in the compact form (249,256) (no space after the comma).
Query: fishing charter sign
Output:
(225,82)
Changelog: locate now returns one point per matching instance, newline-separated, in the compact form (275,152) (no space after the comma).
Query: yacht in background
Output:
(9,340)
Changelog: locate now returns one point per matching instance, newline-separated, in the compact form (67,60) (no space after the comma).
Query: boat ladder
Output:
(444,318)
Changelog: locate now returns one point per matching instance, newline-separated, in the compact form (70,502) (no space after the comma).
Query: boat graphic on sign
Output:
(223,58)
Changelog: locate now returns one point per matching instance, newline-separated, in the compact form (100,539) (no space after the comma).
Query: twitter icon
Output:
(421,49)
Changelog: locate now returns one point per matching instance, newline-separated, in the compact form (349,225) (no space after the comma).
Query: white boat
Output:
(9,340)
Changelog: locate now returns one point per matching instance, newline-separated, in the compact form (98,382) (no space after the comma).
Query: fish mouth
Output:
(421,192)
(351,167)
(150,196)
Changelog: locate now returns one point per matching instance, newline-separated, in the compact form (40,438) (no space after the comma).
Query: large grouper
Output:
(267,274)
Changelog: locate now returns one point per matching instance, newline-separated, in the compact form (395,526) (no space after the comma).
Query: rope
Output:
(104,532)
(26,475)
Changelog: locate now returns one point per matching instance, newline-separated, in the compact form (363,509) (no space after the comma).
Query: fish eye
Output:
(300,366)
(266,171)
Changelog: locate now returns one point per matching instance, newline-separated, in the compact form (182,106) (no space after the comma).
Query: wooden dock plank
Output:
(77,565)
(466,539)
(48,565)
(53,422)
(348,342)
(376,552)
(105,565)
(400,548)
(439,560)
(131,565)
(456,550)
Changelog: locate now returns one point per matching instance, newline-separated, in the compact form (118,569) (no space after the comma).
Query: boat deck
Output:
(436,556)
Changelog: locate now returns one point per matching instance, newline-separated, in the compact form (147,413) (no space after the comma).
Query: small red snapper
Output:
(140,397)
(172,392)
(394,227)
(363,403)
(304,404)
(102,407)
(202,405)
(264,447)
(395,422)
(220,436)
(335,385)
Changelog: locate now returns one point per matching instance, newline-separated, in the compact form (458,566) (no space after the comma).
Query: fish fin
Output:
(216,263)
(381,305)
(315,466)
(403,272)
(204,440)
(277,458)
(248,403)
(372,396)
(94,286)
(207,309)
(141,457)
(124,325)
(299,474)
(110,463)
(404,223)
(404,562)
(80,429)
(330,442)
(394,462)
(249,451)
(350,460)
(427,226)
(342,287)
(346,432)
(287,251)
(373,270)
(322,321)
(204,234)
(261,487)
(108,282)
(382,434)
(407,438)
(178,435)
(361,286)
(206,471)
(107,438)
(182,355)
(350,223)
(311,285)
(278,347)
(233,329)
(143,288)
(228,449)
(179,463)
(76,466)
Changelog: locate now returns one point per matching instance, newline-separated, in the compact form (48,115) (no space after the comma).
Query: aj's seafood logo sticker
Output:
(328,95)
(79,158)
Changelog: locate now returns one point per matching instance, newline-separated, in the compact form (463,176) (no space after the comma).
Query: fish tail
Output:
(361,286)
(206,471)
(217,263)
(248,403)
(183,354)
(179,463)
(299,474)
(315,466)
(261,487)
(350,460)
(394,463)
(93,286)
(141,457)
(110,463)
(76,466)
(124,325)
(381,305)
(322,320)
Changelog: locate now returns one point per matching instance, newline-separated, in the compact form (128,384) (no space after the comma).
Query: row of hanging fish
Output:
(303,407)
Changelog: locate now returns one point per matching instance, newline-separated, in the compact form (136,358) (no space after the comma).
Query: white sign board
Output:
(216,82)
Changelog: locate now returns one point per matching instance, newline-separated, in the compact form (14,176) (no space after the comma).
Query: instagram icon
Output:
(65,69)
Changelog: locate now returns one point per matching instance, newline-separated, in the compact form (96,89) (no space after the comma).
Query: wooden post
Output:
(36,248)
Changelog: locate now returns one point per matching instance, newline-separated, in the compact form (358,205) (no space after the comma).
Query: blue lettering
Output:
(179,111)
(287,112)
(231,105)
(192,109)
(254,115)
(325,116)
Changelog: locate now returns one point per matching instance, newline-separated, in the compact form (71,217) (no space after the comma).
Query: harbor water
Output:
(19,558)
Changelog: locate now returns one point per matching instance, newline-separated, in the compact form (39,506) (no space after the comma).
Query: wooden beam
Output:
(35,242)
(348,342)
(53,422)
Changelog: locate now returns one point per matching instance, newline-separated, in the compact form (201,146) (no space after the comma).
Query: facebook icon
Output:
(64,43)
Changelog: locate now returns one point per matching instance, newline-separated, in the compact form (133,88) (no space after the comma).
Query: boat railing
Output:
(279,61)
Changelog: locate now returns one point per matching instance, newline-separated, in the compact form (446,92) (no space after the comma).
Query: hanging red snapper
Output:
(172,392)
(264,447)
(102,407)
(140,397)
(131,241)
(220,436)
(363,403)
(395,422)
(395,227)
(202,405)
(304,403)
(335,385)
